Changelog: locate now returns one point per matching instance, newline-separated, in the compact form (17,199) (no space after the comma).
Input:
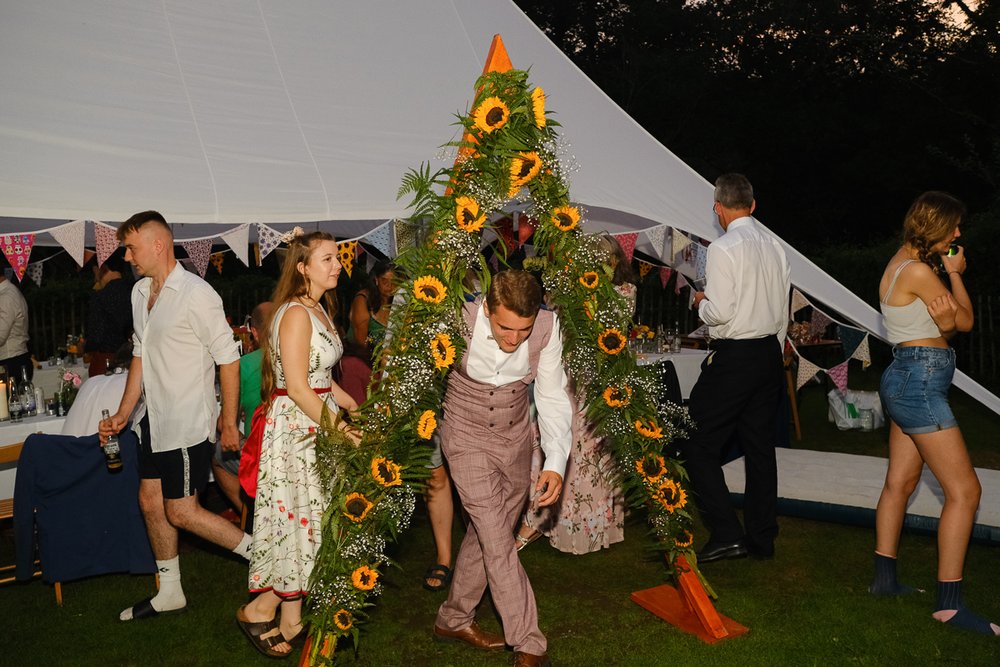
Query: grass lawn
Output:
(808,606)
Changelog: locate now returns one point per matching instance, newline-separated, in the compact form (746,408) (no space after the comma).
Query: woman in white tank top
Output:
(921,314)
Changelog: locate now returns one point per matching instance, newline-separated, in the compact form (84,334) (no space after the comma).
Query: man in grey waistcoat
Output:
(486,436)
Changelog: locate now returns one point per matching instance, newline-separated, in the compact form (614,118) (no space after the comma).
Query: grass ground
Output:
(808,606)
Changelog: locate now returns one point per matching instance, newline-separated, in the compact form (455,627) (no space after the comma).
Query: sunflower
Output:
(343,619)
(491,115)
(685,540)
(524,167)
(386,472)
(611,341)
(589,279)
(538,106)
(467,214)
(356,507)
(670,496)
(565,218)
(426,425)
(618,397)
(443,350)
(429,289)
(651,467)
(364,578)
(649,429)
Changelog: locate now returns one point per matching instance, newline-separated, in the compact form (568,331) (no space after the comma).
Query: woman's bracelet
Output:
(951,272)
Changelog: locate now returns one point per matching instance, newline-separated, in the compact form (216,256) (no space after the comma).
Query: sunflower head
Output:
(524,167)
(649,429)
(491,115)
(343,619)
(442,350)
(426,424)
(611,341)
(538,106)
(356,507)
(684,540)
(651,467)
(565,218)
(589,279)
(386,472)
(429,289)
(618,397)
(670,495)
(467,214)
(364,578)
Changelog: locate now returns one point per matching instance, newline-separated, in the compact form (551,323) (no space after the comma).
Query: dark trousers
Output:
(737,395)
(15,364)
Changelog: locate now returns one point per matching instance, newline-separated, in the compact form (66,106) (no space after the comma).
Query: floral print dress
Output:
(290,501)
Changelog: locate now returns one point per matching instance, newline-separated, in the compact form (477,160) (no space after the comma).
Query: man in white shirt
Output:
(181,334)
(486,437)
(14,331)
(745,305)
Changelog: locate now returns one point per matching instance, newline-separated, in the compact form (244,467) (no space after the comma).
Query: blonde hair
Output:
(291,284)
(932,218)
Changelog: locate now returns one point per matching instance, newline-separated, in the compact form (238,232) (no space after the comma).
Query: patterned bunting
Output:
(664,276)
(700,261)
(406,235)
(807,371)
(107,241)
(819,322)
(239,239)
(799,301)
(382,238)
(850,338)
(199,252)
(35,273)
(268,239)
(627,242)
(217,259)
(70,237)
(681,282)
(17,249)
(839,375)
(678,242)
(656,236)
(644,268)
(862,354)
(347,250)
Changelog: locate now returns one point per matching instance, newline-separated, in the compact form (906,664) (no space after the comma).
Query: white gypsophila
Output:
(364,547)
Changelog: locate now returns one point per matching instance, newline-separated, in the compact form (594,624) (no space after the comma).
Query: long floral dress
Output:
(290,501)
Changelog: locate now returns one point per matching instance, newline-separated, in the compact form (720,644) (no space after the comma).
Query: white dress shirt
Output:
(13,321)
(180,341)
(101,392)
(488,364)
(748,284)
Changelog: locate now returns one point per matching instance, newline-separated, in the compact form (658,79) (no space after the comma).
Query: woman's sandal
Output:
(254,631)
(442,573)
(523,541)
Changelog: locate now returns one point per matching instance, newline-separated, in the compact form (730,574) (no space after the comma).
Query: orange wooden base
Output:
(669,604)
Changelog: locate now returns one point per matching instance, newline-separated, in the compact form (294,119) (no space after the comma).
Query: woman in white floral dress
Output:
(299,355)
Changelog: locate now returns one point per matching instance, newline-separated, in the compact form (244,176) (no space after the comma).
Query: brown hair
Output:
(518,291)
(291,284)
(139,220)
(932,218)
(620,264)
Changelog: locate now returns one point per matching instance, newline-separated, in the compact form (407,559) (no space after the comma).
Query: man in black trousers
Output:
(745,305)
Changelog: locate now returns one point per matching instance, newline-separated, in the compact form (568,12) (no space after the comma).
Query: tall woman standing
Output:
(299,354)
(921,313)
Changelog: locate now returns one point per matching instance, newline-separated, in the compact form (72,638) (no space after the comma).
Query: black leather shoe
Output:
(722,551)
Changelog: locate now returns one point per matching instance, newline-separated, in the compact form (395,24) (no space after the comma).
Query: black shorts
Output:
(182,472)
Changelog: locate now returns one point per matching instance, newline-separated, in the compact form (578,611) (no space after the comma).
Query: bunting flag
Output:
(17,249)
(838,374)
(678,242)
(525,228)
(681,282)
(217,259)
(406,235)
(505,229)
(87,256)
(700,261)
(383,240)
(199,251)
(70,237)
(35,273)
(370,261)
(862,354)
(850,338)
(627,242)
(664,276)
(700,332)
(347,250)
(807,371)
(268,239)
(644,268)
(819,322)
(107,241)
(799,301)
(656,236)
(238,240)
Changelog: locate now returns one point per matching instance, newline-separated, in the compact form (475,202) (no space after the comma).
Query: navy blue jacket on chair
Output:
(88,519)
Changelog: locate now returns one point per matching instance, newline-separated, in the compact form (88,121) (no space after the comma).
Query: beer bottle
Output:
(112,450)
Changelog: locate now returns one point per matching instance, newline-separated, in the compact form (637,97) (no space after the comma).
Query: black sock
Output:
(949,595)
(885,582)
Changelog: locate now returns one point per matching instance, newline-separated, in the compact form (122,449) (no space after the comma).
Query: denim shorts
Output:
(914,388)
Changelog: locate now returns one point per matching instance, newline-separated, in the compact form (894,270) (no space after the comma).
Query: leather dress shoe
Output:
(473,635)
(722,551)
(522,659)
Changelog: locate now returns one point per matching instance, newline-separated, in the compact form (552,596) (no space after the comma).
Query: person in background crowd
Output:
(101,392)
(109,313)
(181,334)
(622,276)
(920,315)
(14,353)
(370,308)
(745,305)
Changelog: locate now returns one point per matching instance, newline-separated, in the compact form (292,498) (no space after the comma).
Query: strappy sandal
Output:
(254,631)
(440,572)
(523,541)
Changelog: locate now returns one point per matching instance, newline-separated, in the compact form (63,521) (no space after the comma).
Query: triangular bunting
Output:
(656,236)
(505,228)
(644,268)
(406,235)
(700,261)
(627,242)
(850,338)
(199,251)
(217,260)
(268,240)
(87,256)
(382,238)
(525,228)
(35,273)
(347,251)
(665,272)
(238,239)
(839,376)
(807,371)
(17,249)
(819,322)
(799,301)
(678,242)
(70,237)
(107,241)
(681,282)
(862,353)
